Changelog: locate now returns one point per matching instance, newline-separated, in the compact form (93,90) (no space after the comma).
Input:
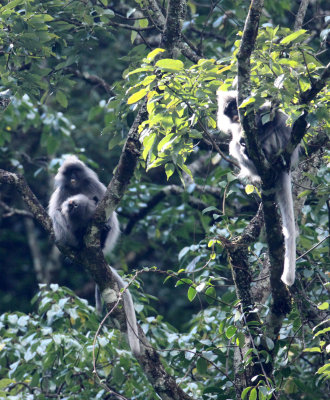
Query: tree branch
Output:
(29,198)
(301,14)
(93,79)
(152,203)
(176,11)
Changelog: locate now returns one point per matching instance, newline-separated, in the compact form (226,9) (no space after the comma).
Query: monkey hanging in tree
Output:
(274,135)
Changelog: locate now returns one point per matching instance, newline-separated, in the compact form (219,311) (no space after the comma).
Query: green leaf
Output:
(165,142)
(11,4)
(323,369)
(322,332)
(150,57)
(270,343)
(143,23)
(245,392)
(6,382)
(293,36)
(312,350)
(249,189)
(137,96)
(61,99)
(183,281)
(210,295)
(253,394)
(192,293)
(230,331)
(114,142)
(169,170)
(138,70)
(186,170)
(201,366)
(240,339)
(167,64)
(133,36)
(147,144)
(323,306)
(211,208)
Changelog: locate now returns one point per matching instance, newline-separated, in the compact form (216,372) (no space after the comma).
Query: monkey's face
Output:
(231,111)
(73,178)
(72,208)
(79,208)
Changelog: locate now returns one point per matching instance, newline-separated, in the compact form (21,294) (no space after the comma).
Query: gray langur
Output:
(274,136)
(74,177)
(71,208)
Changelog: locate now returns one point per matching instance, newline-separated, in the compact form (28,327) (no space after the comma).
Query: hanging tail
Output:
(132,329)
(285,201)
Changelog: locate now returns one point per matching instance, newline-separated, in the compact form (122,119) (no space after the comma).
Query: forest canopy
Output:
(130,88)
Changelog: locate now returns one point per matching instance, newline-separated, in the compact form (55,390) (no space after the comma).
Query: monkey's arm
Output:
(63,233)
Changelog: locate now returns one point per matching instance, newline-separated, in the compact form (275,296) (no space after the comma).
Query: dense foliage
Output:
(73,75)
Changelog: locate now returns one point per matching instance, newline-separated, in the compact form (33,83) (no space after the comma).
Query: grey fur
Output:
(73,178)
(274,136)
(71,208)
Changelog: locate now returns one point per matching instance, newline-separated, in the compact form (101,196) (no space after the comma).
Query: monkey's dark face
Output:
(74,178)
(231,111)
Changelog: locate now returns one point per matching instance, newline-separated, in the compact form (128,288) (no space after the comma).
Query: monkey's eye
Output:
(242,142)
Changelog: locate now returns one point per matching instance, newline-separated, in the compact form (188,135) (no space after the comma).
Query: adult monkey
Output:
(71,208)
(274,135)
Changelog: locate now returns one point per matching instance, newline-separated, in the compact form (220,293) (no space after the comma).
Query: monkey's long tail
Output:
(132,329)
(285,201)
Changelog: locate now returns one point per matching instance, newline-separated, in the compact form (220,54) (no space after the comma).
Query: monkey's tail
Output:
(132,329)
(285,201)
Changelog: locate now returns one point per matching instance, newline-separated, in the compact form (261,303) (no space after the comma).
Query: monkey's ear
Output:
(96,199)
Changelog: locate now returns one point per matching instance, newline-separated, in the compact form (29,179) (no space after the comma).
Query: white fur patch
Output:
(109,295)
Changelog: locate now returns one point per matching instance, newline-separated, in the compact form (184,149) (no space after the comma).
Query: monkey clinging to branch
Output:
(274,136)
(71,208)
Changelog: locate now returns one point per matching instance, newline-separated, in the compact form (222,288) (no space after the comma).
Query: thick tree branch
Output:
(163,383)
(301,15)
(281,299)
(29,198)
(92,79)
(242,276)
(307,96)
(176,11)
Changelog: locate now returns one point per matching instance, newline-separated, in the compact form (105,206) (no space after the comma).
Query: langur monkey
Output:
(274,136)
(71,208)
(74,177)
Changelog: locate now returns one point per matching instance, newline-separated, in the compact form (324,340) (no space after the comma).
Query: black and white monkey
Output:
(274,136)
(71,208)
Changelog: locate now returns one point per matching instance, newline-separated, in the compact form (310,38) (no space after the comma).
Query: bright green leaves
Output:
(151,56)
(180,99)
(137,96)
(293,36)
(282,62)
(170,65)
